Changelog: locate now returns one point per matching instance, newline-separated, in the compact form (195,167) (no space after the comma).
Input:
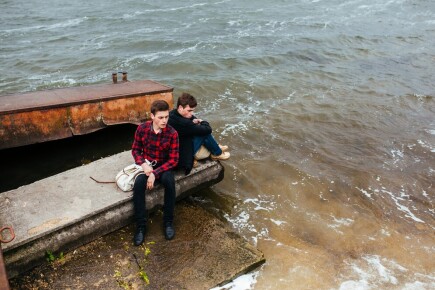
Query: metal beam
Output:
(56,114)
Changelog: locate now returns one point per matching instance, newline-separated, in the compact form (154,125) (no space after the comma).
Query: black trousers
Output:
(167,179)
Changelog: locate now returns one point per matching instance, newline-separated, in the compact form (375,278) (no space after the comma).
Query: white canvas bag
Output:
(126,177)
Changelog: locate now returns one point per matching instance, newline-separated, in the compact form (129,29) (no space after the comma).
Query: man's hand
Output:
(150,181)
(196,121)
(147,169)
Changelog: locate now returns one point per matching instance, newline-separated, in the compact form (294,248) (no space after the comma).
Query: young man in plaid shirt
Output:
(155,142)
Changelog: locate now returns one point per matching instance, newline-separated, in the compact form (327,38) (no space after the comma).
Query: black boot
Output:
(169,230)
(139,235)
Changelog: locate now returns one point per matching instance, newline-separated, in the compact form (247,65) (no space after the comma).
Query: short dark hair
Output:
(186,99)
(159,106)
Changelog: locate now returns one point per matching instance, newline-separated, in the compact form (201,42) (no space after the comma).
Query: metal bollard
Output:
(115,76)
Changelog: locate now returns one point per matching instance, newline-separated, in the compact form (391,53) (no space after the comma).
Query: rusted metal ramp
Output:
(56,114)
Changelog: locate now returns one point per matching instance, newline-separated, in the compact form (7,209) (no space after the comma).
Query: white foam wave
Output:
(67,23)
(372,272)
(338,223)
(343,221)
(397,198)
(261,204)
(63,24)
(406,210)
(241,221)
(52,81)
(149,57)
(398,155)
(243,282)
(235,129)
(426,145)
(278,223)
(417,285)
(366,193)
(147,11)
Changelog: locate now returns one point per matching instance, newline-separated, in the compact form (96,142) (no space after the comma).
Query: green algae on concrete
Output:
(205,253)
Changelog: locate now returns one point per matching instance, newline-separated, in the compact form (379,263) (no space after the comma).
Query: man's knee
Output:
(140,181)
(167,178)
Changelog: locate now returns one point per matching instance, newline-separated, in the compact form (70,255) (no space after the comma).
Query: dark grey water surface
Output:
(328,107)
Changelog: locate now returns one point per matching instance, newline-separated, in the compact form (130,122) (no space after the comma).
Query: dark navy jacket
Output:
(186,131)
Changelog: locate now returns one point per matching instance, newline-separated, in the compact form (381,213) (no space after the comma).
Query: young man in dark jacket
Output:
(155,143)
(193,133)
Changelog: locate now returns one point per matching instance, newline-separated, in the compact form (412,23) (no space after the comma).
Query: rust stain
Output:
(85,118)
(133,110)
(32,127)
(4,283)
(56,114)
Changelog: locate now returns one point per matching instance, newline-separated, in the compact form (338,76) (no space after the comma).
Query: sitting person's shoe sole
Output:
(139,236)
(223,156)
(223,147)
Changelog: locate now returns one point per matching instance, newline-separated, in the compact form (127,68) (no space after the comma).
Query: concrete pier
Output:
(67,210)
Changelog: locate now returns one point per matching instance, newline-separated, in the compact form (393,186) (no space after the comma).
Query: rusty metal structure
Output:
(36,117)
(4,283)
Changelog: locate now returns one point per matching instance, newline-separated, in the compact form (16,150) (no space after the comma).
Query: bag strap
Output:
(99,181)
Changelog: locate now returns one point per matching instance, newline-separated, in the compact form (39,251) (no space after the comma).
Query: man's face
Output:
(160,119)
(186,112)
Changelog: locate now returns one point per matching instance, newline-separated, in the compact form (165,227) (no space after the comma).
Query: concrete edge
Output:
(251,268)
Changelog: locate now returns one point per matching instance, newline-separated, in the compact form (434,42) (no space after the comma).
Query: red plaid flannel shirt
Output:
(162,147)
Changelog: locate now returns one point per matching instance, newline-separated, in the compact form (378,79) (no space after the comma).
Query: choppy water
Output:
(328,107)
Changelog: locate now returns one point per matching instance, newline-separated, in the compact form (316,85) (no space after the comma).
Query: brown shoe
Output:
(223,147)
(195,163)
(223,156)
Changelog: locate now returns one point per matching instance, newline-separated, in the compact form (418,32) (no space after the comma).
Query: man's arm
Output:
(186,127)
(196,129)
(137,147)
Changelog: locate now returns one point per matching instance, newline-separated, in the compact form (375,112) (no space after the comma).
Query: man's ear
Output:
(152,116)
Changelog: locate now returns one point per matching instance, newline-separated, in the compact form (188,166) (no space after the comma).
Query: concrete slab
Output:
(205,253)
(67,210)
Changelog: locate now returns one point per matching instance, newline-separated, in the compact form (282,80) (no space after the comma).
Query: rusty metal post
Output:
(124,76)
(114,78)
(4,283)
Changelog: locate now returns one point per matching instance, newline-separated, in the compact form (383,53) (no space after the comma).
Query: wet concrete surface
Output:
(204,253)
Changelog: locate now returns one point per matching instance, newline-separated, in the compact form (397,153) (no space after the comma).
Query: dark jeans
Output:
(139,201)
(209,142)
